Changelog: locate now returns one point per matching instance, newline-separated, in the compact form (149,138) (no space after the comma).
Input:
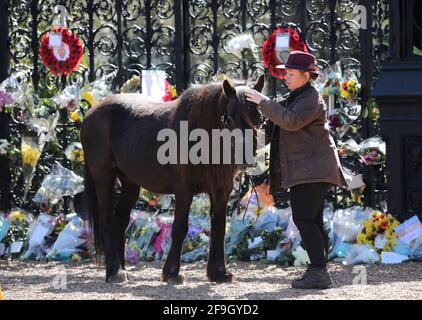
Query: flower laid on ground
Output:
(171,92)
(61,223)
(141,234)
(150,197)
(132,253)
(74,152)
(379,224)
(17,216)
(18,230)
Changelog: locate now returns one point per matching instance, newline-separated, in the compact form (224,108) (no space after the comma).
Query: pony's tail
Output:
(91,203)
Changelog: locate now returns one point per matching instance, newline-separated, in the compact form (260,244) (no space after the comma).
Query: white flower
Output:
(74,152)
(69,97)
(237,44)
(4,145)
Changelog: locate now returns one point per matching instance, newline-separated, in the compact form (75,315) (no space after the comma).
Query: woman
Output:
(303,158)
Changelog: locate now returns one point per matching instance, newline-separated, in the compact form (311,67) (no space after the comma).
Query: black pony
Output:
(119,139)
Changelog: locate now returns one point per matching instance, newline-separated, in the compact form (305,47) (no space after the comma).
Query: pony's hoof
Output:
(173,280)
(221,277)
(120,277)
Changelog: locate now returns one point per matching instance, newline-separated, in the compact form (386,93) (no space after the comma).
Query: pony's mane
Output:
(202,105)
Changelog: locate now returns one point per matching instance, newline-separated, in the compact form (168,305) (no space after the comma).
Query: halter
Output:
(240,95)
(225,118)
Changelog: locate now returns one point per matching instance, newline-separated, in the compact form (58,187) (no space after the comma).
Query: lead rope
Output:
(247,205)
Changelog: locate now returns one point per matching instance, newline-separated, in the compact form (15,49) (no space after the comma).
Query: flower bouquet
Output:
(162,241)
(44,121)
(349,148)
(195,244)
(332,82)
(344,226)
(200,204)
(74,152)
(244,47)
(378,232)
(61,182)
(12,91)
(17,231)
(150,197)
(69,98)
(141,234)
(350,87)
(372,151)
(70,240)
(96,90)
(31,152)
(342,118)
(37,233)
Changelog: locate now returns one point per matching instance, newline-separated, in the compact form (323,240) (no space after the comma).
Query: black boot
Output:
(314,278)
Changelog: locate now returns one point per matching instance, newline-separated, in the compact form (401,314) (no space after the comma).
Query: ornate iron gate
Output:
(188,40)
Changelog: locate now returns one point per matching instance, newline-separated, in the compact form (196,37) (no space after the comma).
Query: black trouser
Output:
(307,201)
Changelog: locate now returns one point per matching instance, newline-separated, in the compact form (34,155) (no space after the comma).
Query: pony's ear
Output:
(260,83)
(228,88)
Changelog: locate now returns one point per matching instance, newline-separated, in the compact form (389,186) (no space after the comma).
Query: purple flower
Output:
(131,255)
(5,98)
(193,231)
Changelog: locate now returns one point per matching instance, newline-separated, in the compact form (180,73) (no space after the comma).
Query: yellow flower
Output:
(75,116)
(17,216)
(172,91)
(344,93)
(189,245)
(77,155)
(30,155)
(361,238)
(88,96)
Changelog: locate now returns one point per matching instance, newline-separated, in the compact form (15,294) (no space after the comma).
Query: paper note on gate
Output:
(409,230)
(153,84)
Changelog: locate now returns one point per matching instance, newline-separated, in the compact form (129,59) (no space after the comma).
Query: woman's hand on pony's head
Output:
(255,96)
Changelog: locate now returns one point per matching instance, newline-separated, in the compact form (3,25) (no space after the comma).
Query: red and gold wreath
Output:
(63,59)
(269,53)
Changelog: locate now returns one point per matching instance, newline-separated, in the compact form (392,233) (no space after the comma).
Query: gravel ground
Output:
(254,280)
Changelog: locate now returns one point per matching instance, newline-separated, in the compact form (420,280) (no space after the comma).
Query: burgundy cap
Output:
(299,60)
